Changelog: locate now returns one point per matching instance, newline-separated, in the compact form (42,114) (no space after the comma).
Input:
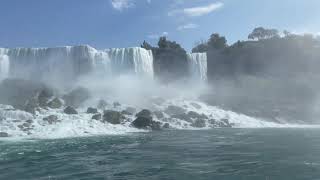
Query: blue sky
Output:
(126,23)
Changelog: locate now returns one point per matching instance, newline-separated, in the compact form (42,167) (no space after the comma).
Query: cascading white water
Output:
(135,60)
(63,64)
(4,64)
(198,65)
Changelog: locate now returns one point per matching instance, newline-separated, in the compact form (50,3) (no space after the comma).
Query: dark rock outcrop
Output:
(113,117)
(196,115)
(4,134)
(44,97)
(144,121)
(91,110)
(55,103)
(184,117)
(52,119)
(166,126)
(97,117)
(158,114)
(199,123)
(145,113)
(70,110)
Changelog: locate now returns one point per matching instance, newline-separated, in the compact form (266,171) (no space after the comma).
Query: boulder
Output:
(166,126)
(52,119)
(199,123)
(113,117)
(145,113)
(174,110)
(55,103)
(4,134)
(91,110)
(156,125)
(145,123)
(142,122)
(183,117)
(102,104)
(70,110)
(76,97)
(97,117)
(158,114)
(44,96)
(196,115)
(224,123)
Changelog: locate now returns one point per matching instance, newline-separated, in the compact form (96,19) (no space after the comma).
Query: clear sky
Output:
(126,23)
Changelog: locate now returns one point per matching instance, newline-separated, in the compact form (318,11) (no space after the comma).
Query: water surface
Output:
(227,154)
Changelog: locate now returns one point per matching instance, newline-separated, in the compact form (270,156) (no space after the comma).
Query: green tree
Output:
(262,33)
(217,42)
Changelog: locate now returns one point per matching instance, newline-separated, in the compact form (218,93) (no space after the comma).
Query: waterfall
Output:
(64,64)
(131,60)
(198,65)
(4,64)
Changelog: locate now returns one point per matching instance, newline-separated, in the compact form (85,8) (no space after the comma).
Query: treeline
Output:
(170,60)
(267,52)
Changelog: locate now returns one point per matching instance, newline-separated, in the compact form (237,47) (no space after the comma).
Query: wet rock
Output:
(174,110)
(142,122)
(116,104)
(199,123)
(91,110)
(29,121)
(76,97)
(224,123)
(212,122)
(102,104)
(97,117)
(145,113)
(55,103)
(3,134)
(52,119)
(113,117)
(70,110)
(195,105)
(184,117)
(44,96)
(156,126)
(158,114)
(196,115)
(166,126)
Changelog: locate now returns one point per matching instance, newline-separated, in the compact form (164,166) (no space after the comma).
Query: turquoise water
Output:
(227,154)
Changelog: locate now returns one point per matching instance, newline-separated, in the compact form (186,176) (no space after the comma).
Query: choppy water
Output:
(265,154)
